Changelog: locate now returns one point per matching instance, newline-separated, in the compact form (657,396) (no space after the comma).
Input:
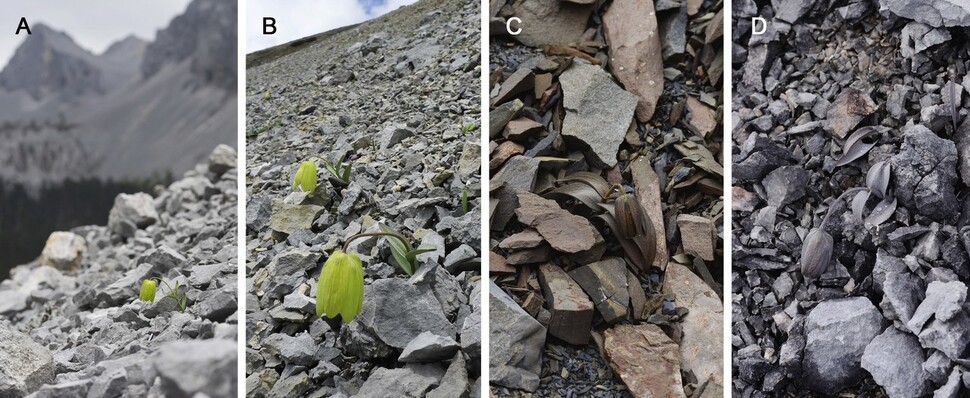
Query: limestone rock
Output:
(64,251)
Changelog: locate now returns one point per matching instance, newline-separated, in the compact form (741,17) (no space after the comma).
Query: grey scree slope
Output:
(393,94)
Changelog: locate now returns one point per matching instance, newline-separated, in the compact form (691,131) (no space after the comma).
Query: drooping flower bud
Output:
(816,253)
(634,224)
(306,177)
(147,292)
(340,290)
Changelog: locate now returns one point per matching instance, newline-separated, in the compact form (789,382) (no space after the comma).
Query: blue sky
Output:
(300,18)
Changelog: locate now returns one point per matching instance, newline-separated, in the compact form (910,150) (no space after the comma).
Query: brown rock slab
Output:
(702,116)
(742,200)
(554,22)
(521,128)
(635,52)
(848,109)
(527,239)
(645,359)
(543,82)
(638,298)
(605,283)
(647,185)
(503,152)
(565,232)
(572,311)
(497,264)
(520,81)
(535,255)
(532,304)
(702,342)
(519,172)
(697,235)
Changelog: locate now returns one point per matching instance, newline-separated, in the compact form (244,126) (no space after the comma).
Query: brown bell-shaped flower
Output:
(816,253)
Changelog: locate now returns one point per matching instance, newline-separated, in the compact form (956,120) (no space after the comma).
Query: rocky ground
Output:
(851,163)
(398,97)
(588,95)
(71,324)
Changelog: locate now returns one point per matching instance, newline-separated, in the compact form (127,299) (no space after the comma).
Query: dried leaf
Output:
(882,212)
(632,224)
(700,156)
(859,203)
(627,244)
(878,178)
(816,253)
(592,180)
(581,192)
(858,144)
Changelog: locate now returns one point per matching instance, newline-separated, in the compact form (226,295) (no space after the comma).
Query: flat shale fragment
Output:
(635,53)
(572,311)
(598,112)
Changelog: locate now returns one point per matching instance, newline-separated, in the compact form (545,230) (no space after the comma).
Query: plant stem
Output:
(367,234)
(828,214)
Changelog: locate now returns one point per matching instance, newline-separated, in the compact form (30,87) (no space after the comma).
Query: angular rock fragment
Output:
(636,60)
(386,299)
(936,13)
(551,22)
(903,292)
(520,81)
(130,213)
(700,346)
(527,239)
(598,112)
(428,347)
(63,250)
(697,235)
(515,364)
(572,310)
(645,359)
(24,364)
(519,173)
(410,381)
(895,361)
(917,37)
(287,219)
(565,232)
(647,185)
(849,108)
(605,283)
(837,333)
(501,115)
(498,265)
(924,172)
(197,367)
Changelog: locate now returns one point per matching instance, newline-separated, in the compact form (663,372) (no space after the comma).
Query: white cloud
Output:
(93,24)
(296,19)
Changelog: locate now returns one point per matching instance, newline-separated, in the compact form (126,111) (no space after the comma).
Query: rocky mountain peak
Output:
(50,62)
(205,34)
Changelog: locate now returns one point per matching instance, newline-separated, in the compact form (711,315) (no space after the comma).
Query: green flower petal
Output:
(306,177)
(147,292)
(340,290)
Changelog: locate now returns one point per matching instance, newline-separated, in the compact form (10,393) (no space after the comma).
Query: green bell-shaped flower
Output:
(147,292)
(306,177)
(340,290)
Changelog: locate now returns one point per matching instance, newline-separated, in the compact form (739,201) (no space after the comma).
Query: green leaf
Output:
(400,251)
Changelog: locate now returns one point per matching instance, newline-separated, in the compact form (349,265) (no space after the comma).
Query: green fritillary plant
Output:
(149,286)
(340,289)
